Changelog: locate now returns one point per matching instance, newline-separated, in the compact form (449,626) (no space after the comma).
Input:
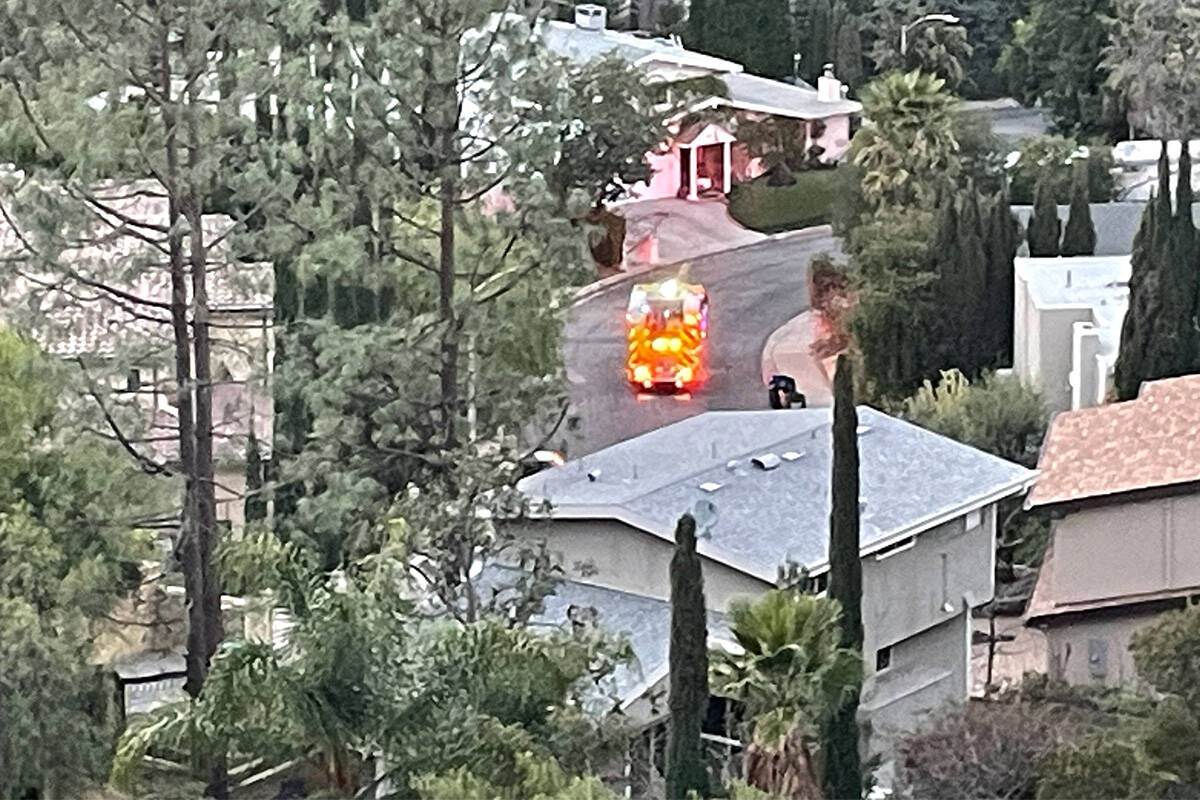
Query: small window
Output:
(133,380)
(883,658)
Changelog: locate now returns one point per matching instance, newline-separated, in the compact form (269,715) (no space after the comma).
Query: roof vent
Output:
(731,465)
(792,455)
(766,461)
(709,486)
(591,17)
(593,475)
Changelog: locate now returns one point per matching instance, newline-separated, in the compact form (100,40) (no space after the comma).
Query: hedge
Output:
(770,209)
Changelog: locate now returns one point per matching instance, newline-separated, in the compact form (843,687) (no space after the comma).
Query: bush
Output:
(807,202)
(1167,655)
(1049,158)
(998,415)
(1103,765)
(984,750)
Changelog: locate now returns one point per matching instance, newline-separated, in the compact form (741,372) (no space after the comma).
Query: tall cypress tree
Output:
(972,342)
(1159,336)
(687,700)
(1044,227)
(1079,238)
(843,768)
(848,52)
(1000,244)
(819,49)
(1137,327)
(942,328)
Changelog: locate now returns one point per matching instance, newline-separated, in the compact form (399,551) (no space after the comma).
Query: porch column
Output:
(692,173)
(726,167)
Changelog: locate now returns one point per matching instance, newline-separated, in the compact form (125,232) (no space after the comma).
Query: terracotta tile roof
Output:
(1149,442)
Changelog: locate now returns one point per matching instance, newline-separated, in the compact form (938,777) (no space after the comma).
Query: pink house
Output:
(700,158)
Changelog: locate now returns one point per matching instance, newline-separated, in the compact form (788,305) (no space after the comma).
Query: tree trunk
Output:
(786,771)
(188,548)
(446,279)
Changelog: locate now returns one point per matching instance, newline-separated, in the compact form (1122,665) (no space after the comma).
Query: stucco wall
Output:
(620,557)
(927,672)
(836,138)
(905,593)
(1069,646)
(1149,546)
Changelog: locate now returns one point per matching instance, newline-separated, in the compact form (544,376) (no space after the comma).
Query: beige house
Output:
(1122,484)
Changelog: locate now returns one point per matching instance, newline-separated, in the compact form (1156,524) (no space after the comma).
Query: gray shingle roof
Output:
(645,621)
(912,480)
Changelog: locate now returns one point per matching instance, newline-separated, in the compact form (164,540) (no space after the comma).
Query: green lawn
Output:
(770,209)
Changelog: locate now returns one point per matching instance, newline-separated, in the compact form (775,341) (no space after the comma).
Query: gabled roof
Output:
(912,480)
(645,621)
(1147,443)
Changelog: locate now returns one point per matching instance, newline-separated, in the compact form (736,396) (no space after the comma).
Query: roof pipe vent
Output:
(591,17)
(766,461)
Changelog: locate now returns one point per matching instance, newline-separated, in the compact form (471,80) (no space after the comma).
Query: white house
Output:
(707,157)
(1067,315)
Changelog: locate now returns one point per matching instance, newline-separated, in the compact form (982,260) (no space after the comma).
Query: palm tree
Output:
(907,148)
(791,675)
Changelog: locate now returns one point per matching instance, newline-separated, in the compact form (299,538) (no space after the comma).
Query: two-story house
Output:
(928,534)
(1122,485)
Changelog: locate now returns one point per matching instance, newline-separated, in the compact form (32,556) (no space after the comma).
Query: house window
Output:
(883,658)
(133,380)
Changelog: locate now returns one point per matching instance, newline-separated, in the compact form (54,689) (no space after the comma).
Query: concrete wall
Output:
(1152,546)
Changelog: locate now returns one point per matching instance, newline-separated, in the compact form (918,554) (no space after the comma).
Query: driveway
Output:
(754,290)
(682,229)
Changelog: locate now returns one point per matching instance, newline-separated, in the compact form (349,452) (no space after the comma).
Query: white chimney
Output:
(591,17)
(829,88)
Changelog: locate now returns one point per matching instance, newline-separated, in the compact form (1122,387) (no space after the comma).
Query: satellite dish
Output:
(705,514)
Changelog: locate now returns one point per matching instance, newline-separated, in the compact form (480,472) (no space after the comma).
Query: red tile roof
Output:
(1146,443)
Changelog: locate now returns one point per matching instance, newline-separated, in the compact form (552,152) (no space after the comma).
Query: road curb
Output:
(585,293)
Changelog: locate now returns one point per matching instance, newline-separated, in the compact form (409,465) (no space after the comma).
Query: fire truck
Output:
(666,325)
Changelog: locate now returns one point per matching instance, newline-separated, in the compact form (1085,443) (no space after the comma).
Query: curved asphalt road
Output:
(753,291)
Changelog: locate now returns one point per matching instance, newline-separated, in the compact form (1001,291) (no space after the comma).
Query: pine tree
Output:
(699,24)
(1044,226)
(688,661)
(255,506)
(843,768)
(1079,238)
